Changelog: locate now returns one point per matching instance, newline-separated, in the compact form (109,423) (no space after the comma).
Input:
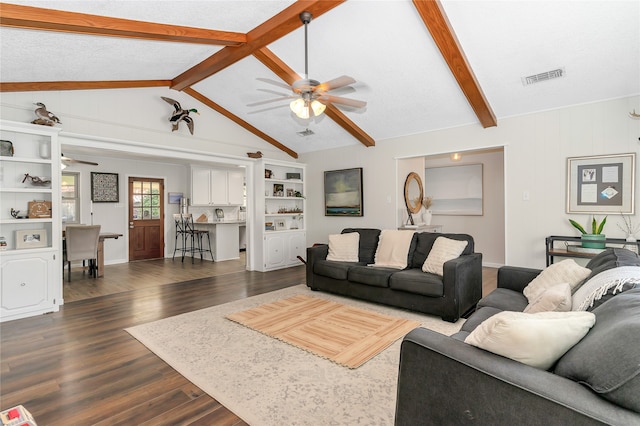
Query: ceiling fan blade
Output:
(342,101)
(271,100)
(268,109)
(71,160)
(344,80)
(275,83)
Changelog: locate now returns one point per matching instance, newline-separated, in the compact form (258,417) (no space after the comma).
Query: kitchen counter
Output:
(225,237)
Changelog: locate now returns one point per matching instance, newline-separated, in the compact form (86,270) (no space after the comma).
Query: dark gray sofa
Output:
(443,380)
(449,296)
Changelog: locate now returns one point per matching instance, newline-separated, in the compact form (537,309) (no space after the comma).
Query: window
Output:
(146,200)
(70,197)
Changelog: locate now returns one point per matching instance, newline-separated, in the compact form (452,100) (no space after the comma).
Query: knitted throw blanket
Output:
(599,285)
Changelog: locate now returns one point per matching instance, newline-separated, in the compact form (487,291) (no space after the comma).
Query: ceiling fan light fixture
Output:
(300,108)
(317,107)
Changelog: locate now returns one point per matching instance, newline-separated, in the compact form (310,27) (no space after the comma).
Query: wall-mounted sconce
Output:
(456,156)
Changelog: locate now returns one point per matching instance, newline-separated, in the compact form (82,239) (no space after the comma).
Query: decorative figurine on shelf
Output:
(16,214)
(45,118)
(179,115)
(256,154)
(37,180)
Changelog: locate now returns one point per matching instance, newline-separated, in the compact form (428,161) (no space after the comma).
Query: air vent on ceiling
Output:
(544,76)
(306,132)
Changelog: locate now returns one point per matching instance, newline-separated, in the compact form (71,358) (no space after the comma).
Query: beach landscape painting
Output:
(343,192)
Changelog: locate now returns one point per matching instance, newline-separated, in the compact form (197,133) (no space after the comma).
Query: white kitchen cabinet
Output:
(216,187)
(31,248)
(279,214)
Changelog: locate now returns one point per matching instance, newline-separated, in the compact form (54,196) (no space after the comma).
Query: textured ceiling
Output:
(384,45)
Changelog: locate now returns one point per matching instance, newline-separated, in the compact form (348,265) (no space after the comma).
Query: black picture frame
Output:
(104,187)
(343,193)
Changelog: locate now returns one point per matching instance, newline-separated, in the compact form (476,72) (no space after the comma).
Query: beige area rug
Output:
(343,334)
(269,382)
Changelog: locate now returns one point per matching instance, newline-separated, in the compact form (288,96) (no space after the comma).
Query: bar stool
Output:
(191,238)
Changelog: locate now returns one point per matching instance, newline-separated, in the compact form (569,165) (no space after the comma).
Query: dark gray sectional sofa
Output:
(448,296)
(443,380)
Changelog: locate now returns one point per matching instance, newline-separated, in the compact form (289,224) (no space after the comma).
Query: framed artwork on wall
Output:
(455,190)
(343,194)
(104,187)
(175,197)
(601,184)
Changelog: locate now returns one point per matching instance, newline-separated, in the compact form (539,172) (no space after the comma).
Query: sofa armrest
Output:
(516,278)
(462,278)
(315,253)
(445,381)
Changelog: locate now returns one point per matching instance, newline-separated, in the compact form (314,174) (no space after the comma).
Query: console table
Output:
(552,251)
(422,228)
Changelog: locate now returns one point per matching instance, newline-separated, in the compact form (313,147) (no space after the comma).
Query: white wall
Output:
(536,148)
(138,115)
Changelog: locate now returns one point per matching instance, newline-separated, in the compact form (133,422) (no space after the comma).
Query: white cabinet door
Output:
(235,188)
(26,286)
(297,247)
(219,188)
(276,253)
(200,187)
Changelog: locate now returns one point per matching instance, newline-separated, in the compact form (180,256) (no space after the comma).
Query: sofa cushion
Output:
(425,240)
(332,269)
(478,317)
(344,247)
(607,360)
(612,258)
(368,243)
(443,250)
(537,340)
(393,248)
(370,275)
(505,300)
(554,299)
(567,271)
(418,282)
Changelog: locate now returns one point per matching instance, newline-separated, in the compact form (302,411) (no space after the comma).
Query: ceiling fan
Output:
(67,161)
(310,96)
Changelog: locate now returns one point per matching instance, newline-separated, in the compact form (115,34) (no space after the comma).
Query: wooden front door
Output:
(146,218)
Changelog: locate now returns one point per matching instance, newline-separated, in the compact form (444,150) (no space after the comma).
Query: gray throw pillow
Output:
(607,359)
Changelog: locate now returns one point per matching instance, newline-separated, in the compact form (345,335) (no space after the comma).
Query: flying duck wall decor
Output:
(179,115)
(44,117)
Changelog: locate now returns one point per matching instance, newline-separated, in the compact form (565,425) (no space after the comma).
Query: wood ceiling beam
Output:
(434,17)
(80,85)
(282,70)
(208,102)
(36,18)
(264,34)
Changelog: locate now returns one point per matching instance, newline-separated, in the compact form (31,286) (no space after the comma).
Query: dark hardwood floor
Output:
(79,367)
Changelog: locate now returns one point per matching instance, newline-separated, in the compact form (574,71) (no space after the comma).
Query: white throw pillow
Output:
(553,299)
(443,250)
(344,247)
(567,271)
(393,248)
(538,340)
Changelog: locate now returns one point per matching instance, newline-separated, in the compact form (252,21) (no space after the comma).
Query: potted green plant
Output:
(595,239)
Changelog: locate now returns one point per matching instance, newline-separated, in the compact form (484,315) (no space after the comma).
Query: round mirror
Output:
(413,192)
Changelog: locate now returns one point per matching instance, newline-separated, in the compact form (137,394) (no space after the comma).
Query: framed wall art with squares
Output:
(601,184)
(104,187)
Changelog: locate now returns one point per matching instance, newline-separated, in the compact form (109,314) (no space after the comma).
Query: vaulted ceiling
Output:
(420,65)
